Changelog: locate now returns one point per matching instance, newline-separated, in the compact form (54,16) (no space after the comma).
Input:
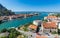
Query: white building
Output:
(51,18)
(37,22)
(58,25)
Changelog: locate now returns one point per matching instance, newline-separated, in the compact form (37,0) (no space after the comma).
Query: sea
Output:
(19,22)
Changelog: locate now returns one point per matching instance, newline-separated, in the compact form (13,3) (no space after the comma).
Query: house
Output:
(51,18)
(32,27)
(39,25)
(49,27)
(37,22)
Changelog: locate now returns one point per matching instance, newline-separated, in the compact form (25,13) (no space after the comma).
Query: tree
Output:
(4,30)
(18,27)
(5,11)
(59,31)
(13,33)
(0,21)
(45,20)
(3,37)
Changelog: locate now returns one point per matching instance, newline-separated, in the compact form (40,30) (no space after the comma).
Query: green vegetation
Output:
(3,37)
(18,27)
(59,31)
(54,32)
(58,14)
(4,11)
(45,20)
(25,27)
(0,21)
(21,36)
(13,33)
(4,30)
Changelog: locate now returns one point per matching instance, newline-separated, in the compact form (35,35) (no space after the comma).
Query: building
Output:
(49,27)
(39,25)
(32,27)
(58,25)
(55,19)
(51,18)
(37,22)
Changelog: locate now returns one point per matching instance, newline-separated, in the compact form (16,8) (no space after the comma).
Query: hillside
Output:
(5,11)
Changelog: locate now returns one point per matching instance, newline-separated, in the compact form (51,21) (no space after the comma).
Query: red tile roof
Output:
(33,26)
(49,25)
(51,17)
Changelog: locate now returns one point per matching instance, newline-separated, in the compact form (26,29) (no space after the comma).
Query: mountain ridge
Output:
(4,11)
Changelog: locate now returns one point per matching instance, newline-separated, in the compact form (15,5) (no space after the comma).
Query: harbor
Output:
(20,22)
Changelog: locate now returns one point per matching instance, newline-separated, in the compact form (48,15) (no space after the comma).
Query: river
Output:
(19,22)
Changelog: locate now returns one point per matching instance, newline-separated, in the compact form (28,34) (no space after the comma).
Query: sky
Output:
(32,5)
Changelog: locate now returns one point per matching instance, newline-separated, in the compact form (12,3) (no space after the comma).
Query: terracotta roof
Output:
(50,25)
(38,36)
(33,26)
(51,17)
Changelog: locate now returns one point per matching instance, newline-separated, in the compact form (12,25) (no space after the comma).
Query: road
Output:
(29,34)
(33,35)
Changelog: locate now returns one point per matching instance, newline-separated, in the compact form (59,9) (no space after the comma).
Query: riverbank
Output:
(25,27)
(16,16)
(19,22)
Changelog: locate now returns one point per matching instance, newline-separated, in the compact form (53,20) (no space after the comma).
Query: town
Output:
(47,28)
(5,18)
(29,18)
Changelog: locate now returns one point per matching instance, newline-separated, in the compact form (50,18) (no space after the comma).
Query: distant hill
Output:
(26,12)
(5,11)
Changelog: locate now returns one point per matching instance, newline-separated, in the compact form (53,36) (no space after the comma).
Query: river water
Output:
(19,22)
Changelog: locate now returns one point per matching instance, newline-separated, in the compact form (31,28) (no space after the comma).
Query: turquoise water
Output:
(19,22)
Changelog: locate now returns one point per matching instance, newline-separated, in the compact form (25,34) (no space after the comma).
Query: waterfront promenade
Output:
(16,16)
